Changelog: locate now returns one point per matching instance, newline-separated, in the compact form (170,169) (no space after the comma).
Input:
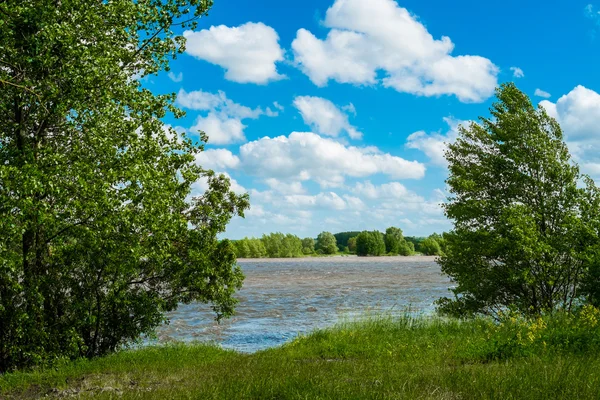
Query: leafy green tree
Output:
(342,238)
(280,245)
(308,246)
(273,243)
(406,248)
(394,241)
(370,244)
(518,216)
(326,243)
(99,236)
(256,248)
(352,245)
(242,248)
(430,247)
(291,246)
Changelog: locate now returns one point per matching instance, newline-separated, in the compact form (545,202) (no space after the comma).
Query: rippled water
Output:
(284,297)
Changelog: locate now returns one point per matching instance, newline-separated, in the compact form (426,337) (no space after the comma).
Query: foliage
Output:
(352,245)
(308,246)
(250,248)
(430,247)
(370,244)
(342,238)
(374,358)
(326,243)
(517,336)
(395,243)
(99,236)
(414,240)
(280,245)
(406,248)
(521,236)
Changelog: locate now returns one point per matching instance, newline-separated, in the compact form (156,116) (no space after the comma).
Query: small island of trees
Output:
(365,243)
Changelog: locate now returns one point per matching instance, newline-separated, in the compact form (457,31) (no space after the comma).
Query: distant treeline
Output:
(365,243)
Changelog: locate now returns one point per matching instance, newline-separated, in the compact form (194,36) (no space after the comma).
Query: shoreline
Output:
(352,257)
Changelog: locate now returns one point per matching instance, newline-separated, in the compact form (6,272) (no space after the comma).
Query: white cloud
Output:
(328,200)
(175,77)
(220,129)
(578,113)
(223,124)
(305,155)
(366,37)
(294,187)
(390,191)
(205,101)
(217,159)
(350,109)
(434,145)
(542,93)
(248,53)
(517,72)
(324,117)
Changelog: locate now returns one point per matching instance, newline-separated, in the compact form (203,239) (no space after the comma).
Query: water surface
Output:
(282,298)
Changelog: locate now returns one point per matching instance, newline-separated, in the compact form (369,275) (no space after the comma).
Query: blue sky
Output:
(333,114)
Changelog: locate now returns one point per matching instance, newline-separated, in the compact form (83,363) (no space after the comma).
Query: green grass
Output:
(381,358)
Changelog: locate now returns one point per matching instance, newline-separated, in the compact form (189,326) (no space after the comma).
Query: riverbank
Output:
(382,358)
(349,257)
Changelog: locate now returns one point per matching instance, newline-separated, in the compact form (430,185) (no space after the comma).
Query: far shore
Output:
(348,257)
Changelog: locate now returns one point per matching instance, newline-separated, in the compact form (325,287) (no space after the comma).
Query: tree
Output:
(518,214)
(430,247)
(326,243)
(291,246)
(242,248)
(406,248)
(392,239)
(308,246)
(352,244)
(370,244)
(342,238)
(99,235)
(256,248)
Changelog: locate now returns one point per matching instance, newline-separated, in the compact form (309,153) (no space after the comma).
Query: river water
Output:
(282,298)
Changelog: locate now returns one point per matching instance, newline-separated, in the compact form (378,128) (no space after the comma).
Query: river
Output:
(282,298)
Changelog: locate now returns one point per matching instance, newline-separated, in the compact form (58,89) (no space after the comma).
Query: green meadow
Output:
(377,358)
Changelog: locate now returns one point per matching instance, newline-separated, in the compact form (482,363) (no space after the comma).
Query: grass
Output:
(380,358)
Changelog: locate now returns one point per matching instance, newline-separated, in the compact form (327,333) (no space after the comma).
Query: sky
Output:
(334,114)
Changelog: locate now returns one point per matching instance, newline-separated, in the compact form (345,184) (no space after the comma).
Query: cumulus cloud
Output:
(390,191)
(434,144)
(366,37)
(248,53)
(175,77)
(542,93)
(205,101)
(293,187)
(220,129)
(306,155)
(578,113)
(329,200)
(223,124)
(324,117)
(517,72)
(217,159)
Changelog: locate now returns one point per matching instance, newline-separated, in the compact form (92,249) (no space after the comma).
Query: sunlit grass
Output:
(386,357)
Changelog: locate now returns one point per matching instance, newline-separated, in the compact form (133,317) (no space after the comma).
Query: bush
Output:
(517,336)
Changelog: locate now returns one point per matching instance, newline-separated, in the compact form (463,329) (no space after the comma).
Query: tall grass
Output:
(377,358)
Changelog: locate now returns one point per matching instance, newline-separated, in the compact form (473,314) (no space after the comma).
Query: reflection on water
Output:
(284,297)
